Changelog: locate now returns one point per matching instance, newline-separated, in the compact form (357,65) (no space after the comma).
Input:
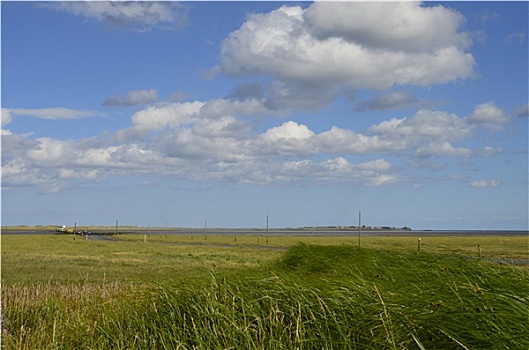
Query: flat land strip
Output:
(214,291)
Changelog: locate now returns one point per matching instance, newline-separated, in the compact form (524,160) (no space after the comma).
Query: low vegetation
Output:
(58,293)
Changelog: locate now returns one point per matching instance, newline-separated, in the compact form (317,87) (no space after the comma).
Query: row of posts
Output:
(258,237)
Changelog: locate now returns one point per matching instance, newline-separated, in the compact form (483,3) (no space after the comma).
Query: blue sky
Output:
(173,113)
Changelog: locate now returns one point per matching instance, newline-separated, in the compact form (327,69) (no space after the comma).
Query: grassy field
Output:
(221,292)
(61,259)
(490,246)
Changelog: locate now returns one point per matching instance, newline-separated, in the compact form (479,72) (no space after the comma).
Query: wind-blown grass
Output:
(438,301)
(310,297)
(491,246)
(31,259)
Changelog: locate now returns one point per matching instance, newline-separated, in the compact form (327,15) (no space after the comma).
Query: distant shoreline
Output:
(305,231)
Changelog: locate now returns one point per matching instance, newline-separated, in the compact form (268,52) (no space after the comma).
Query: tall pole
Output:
(205,228)
(266,228)
(116,227)
(359,226)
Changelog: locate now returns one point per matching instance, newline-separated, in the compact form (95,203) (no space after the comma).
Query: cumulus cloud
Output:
(133,98)
(127,15)
(288,131)
(306,58)
(197,140)
(488,115)
(424,126)
(50,151)
(215,141)
(442,149)
(6,119)
(485,183)
(432,133)
(338,140)
(339,170)
(158,117)
(17,172)
(354,45)
(407,26)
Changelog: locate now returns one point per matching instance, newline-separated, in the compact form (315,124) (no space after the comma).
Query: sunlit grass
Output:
(61,259)
(490,246)
(178,293)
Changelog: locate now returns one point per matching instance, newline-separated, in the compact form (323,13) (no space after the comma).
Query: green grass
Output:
(30,259)
(491,246)
(383,295)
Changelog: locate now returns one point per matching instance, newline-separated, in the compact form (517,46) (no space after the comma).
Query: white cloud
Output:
(6,116)
(186,141)
(15,146)
(432,133)
(424,126)
(406,26)
(485,183)
(337,170)
(288,131)
(50,151)
(68,174)
(175,115)
(442,149)
(337,140)
(217,141)
(133,98)
(350,44)
(160,116)
(289,139)
(96,157)
(51,113)
(17,172)
(127,15)
(227,126)
(295,140)
(488,115)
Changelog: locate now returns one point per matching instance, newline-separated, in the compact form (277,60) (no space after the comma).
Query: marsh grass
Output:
(491,246)
(309,297)
(34,259)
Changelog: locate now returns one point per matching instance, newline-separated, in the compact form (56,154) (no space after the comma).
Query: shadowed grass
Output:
(310,297)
